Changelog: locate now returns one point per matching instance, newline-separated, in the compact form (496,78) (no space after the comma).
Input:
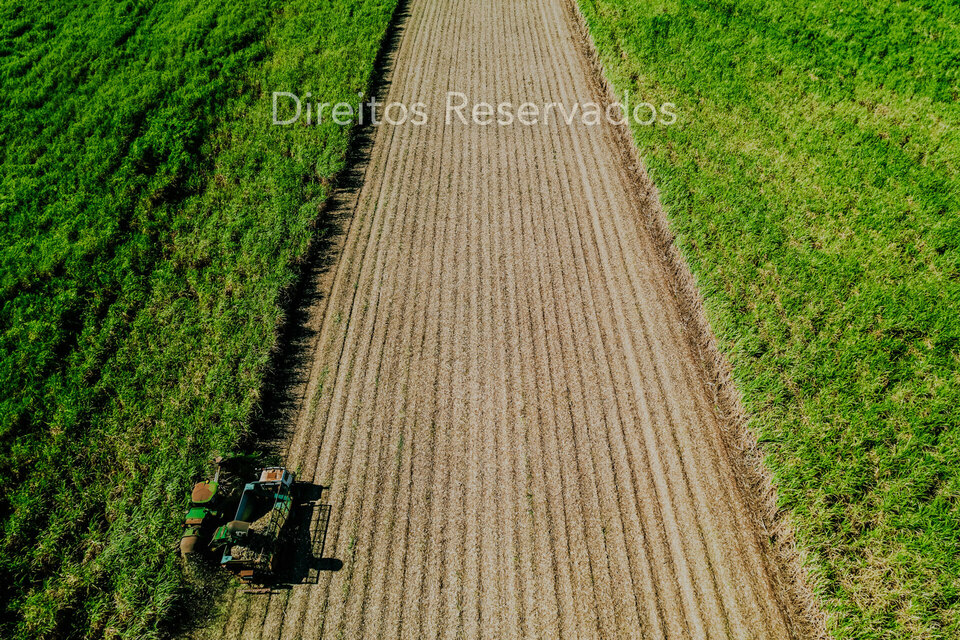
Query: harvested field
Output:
(514,433)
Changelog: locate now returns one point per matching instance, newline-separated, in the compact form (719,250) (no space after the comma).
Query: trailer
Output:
(249,542)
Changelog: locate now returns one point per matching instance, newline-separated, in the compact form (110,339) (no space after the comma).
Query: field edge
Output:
(790,566)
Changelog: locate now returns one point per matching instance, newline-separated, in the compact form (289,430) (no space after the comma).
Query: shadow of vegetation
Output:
(289,369)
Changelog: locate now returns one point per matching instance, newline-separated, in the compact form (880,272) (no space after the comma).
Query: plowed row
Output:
(516,435)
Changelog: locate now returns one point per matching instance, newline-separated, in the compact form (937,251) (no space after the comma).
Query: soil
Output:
(502,397)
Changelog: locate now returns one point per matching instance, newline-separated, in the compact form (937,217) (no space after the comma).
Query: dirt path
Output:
(515,434)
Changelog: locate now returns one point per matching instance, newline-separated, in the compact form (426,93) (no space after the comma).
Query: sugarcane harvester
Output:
(247,544)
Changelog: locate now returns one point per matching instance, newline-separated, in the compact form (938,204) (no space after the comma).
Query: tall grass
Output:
(812,182)
(151,219)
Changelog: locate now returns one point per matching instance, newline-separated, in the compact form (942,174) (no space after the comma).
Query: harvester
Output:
(246,545)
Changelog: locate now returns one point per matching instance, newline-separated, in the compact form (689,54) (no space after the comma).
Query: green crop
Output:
(151,222)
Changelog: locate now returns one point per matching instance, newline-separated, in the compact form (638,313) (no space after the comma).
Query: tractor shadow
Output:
(300,558)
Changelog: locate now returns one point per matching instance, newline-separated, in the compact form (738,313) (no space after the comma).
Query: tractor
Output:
(240,534)
(204,513)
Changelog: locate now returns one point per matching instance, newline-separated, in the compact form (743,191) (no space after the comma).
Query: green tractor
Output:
(246,544)
(203,515)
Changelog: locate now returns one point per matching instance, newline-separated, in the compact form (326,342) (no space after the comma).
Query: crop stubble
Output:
(517,437)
